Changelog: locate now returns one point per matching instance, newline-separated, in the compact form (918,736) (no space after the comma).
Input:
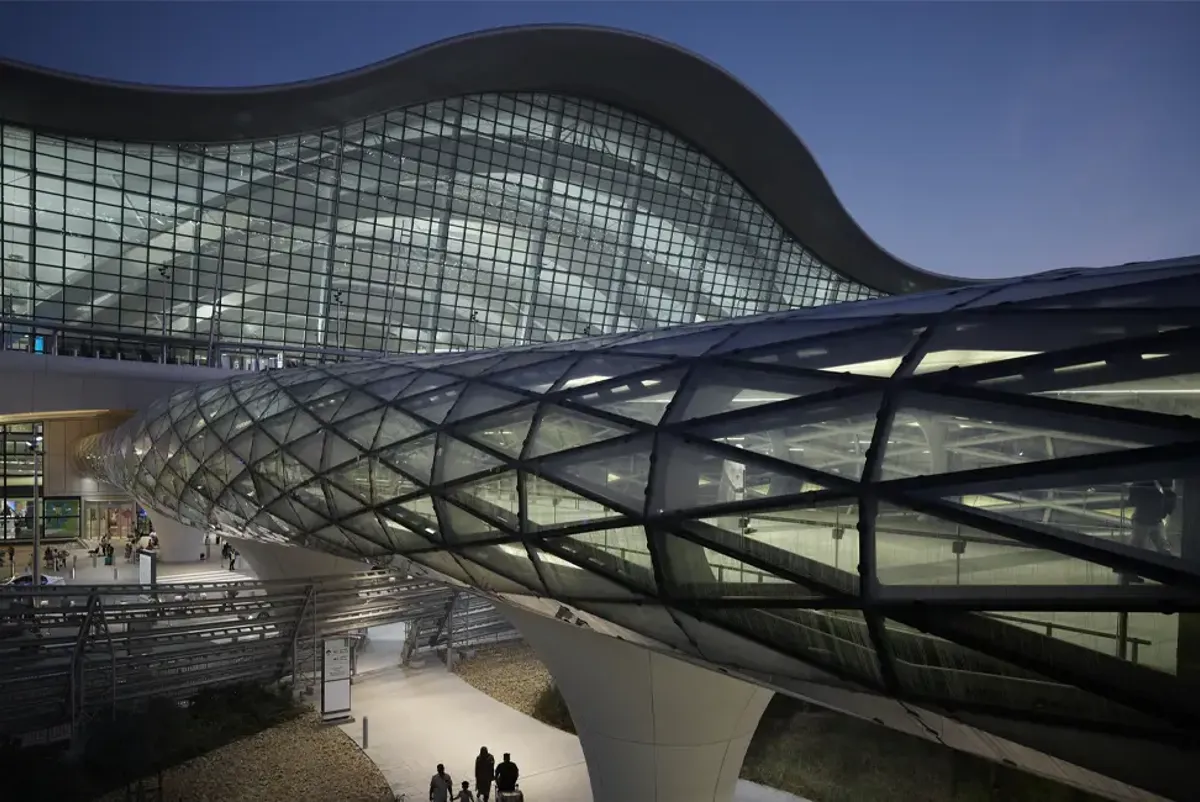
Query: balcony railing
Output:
(59,339)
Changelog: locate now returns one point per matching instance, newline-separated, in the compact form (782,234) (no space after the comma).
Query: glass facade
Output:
(1019,457)
(475,222)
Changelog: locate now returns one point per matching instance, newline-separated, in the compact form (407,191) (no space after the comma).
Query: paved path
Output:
(419,717)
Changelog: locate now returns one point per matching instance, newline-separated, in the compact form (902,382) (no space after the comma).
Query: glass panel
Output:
(372,481)
(538,378)
(505,432)
(617,474)
(565,578)
(831,437)
(643,399)
(875,351)
(460,526)
(1148,639)
(457,460)
(432,406)
(934,668)
(414,457)
(495,498)
(692,477)
(509,560)
(819,542)
(731,389)
(1146,513)
(402,538)
(594,369)
(418,515)
(478,399)
(935,435)
(550,506)
(561,429)
(916,549)
(836,641)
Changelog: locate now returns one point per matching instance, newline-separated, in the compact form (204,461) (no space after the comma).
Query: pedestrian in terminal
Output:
(1152,503)
(507,775)
(440,786)
(233,555)
(465,795)
(485,772)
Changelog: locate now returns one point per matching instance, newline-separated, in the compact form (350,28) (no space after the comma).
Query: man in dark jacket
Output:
(485,771)
(1152,503)
(507,775)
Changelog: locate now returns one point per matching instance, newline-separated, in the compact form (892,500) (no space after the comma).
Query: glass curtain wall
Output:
(475,222)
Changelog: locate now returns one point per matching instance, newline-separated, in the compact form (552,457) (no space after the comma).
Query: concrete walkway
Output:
(419,717)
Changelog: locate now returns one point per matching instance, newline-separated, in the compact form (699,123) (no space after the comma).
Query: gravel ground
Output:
(509,673)
(299,761)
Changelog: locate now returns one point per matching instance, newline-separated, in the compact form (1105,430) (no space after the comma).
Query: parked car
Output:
(25,580)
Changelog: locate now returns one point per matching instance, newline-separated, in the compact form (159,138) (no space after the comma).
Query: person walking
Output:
(465,795)
(1152,503)
(507,775)
(440,785)
(485,772)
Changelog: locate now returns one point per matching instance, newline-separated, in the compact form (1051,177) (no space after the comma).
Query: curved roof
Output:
(678,90)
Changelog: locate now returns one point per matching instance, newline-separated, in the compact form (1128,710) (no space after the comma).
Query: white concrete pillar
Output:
(653,728)
(177,543)
(280,561)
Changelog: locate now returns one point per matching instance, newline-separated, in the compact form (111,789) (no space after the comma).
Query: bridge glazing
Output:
(928,497)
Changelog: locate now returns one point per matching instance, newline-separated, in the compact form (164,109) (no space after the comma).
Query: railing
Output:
(71,652)
(1126,646)
(32,335)
(1133,642)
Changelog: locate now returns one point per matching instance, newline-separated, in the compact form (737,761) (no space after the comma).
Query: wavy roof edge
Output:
(669,86)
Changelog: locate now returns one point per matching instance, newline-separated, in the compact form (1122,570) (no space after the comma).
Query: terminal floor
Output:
(125,572)
(421,716)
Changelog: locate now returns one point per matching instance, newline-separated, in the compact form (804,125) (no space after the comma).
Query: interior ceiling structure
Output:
(928,497)
(515,186)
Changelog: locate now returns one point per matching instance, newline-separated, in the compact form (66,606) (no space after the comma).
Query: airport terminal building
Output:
(516,312)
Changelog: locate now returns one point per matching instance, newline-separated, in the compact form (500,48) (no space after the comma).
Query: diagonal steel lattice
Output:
(930,496)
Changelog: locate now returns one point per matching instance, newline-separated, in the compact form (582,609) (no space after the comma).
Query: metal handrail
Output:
(26,330)
(764,577)
(158,644)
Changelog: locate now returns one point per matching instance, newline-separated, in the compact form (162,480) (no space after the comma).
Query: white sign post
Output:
(335,680)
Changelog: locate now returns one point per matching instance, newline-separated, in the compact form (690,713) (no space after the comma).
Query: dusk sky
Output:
(966,138)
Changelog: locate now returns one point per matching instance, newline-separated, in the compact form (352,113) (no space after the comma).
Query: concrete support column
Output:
(177,543)
(653,728)
(278,561)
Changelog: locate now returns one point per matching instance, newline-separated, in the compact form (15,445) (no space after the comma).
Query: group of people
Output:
(504,774)
(54,559)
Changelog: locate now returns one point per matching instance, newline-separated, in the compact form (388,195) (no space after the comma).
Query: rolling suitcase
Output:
(510,796)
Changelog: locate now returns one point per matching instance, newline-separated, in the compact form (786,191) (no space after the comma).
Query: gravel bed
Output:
(301,760)
(508,672)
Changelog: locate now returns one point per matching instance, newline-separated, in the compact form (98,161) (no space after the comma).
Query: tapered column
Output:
(653,728)
(177,543)
(279,561)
